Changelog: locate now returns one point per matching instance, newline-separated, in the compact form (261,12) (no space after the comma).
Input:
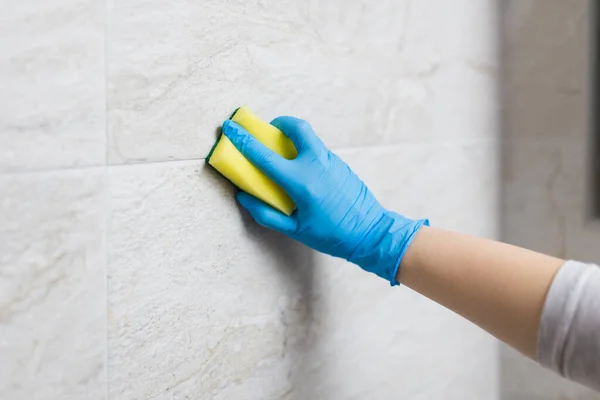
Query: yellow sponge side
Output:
(226,159)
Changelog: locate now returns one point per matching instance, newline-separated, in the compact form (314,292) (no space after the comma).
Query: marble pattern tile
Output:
(456,96)
(546,129)
(545,113)
(52,78)
(546,44)
(52,286)
(204,303)
(543,192)
(359,76)
(545,198)
(546,69)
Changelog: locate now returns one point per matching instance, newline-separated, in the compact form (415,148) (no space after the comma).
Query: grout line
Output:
(51,170)
(106,282)
(106,210)
(106,117)
(435,142)
(382,146)
(156,162)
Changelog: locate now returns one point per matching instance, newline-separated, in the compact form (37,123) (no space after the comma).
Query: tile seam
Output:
(335,149)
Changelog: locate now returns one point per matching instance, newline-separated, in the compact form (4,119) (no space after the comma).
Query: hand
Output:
(336,213)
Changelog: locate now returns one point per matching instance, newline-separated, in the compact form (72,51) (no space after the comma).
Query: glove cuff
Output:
(382,252)
(404,237)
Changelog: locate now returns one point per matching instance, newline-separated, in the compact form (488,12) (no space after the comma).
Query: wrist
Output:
(401,234)
(382,251)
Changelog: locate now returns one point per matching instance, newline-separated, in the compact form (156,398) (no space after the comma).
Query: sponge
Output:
(227,160)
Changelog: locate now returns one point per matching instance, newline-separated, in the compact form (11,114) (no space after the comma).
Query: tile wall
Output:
(127,271)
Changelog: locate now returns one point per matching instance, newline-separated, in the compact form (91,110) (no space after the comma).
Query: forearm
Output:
(499,287)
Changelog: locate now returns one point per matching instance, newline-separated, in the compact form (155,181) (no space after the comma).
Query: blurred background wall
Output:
(547,146)
(127,271)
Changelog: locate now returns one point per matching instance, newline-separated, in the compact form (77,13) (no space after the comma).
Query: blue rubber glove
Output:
(336,213)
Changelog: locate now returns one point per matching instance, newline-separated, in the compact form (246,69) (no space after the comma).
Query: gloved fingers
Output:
(299,131)
(266,215)
(269,162)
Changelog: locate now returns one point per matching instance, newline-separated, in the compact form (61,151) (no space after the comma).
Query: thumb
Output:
(267,216)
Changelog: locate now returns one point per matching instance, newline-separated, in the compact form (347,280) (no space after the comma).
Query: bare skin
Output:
(499,287)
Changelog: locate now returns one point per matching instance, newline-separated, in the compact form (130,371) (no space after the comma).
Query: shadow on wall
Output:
(295,265)
(545,96)
(296,269)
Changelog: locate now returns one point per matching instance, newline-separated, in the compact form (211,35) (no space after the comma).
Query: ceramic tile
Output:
(545,198)
(358,73)
(545,113)
(544,186)
(456,97)
(52,286)
(52,79)
(203,302)
(546,69)
(546,43)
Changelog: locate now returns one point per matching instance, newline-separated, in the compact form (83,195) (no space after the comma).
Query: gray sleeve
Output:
(569,337)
